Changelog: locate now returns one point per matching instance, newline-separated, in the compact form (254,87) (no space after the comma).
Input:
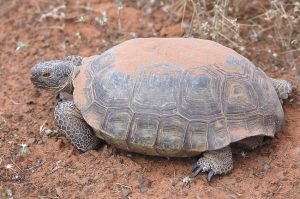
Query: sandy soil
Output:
(49,167)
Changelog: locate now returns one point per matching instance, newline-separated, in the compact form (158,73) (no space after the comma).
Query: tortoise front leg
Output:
(71,123)
(214,162)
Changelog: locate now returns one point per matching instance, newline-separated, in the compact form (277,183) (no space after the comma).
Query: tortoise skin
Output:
(143,97)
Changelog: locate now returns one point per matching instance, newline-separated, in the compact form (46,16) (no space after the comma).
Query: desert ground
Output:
(34,164)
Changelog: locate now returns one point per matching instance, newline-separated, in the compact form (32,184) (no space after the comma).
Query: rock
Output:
(40,142)
(126,192)
(281,175)
(266,166)
(143,184)
(31,141)
(47,132)
(59,192)
(18,117)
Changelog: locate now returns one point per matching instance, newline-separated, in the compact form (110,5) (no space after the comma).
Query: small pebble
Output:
(266,167)
(126,192)
(143,183)
(31,141)
(143,186)
(40,142)
(18,117)
(281,175)
(47,132)
(59,192)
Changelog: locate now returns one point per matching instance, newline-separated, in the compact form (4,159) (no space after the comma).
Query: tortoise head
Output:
(56,75)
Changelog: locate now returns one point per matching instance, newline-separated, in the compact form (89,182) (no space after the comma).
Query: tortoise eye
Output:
(46,74)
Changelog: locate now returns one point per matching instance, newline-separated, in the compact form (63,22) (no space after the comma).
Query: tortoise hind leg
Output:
(71,123)
(214,162)
(282,87)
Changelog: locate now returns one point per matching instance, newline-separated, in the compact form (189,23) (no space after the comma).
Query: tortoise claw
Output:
(196,170)
(210,175)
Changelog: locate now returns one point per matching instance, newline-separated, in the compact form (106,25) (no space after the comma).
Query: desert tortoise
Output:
(175,97)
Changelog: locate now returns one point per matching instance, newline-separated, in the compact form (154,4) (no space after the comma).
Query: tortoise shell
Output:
(175,97)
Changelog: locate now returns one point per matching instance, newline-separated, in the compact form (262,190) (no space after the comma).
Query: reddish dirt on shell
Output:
(53,169)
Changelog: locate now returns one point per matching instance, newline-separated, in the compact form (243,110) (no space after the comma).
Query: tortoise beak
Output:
(35,77)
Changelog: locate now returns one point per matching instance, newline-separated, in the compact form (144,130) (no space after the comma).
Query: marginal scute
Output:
(117,122)
(270,124)
(279,118)
(237,129)
(116,126)
(217,136)
(255,125)
(95,114)
(171,135)
(236,65)
(196,137)
(143,134)
(106,60)
(268,97)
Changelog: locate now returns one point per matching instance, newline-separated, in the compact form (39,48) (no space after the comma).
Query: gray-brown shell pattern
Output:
(143,97)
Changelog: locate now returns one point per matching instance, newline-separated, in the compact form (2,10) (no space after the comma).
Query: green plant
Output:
(20,45)
(103,19)
(24,151)
(81,19)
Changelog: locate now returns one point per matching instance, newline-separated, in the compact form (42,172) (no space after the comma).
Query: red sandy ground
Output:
(53,169)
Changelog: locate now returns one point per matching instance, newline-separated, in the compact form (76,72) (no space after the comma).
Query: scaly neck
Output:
(68,87)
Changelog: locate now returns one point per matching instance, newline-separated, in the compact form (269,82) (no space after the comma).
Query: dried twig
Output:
(56,167)
(232,191)
(276,192)
(122,185)
(54,13)
(36,166)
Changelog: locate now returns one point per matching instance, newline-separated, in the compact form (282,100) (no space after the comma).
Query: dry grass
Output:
(267,32)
